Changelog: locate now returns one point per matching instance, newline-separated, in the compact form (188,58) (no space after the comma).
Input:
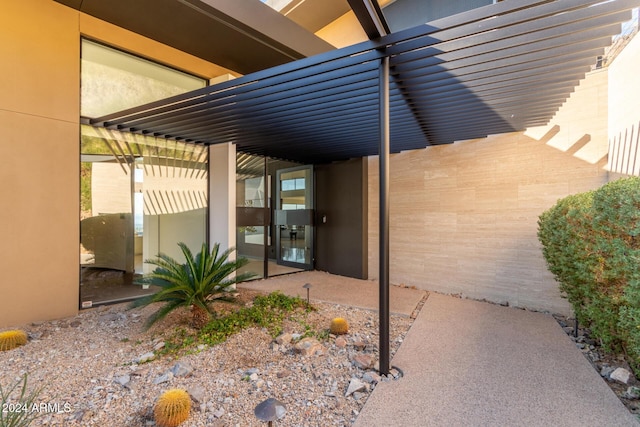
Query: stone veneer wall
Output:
(463,217)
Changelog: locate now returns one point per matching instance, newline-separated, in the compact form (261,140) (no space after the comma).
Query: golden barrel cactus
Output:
(339,326)
(12,339)
(172,408)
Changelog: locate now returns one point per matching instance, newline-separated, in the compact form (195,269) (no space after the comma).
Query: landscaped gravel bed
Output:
(91,369)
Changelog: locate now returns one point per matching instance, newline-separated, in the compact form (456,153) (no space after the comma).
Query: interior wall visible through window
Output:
(140,195)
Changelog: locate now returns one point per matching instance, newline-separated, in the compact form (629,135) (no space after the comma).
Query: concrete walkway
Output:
(339,290)
(469,363)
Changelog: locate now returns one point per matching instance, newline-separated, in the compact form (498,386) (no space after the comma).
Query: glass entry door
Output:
(294,217)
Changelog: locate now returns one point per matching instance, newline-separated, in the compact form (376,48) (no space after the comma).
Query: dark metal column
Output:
(384,215)
(266,228)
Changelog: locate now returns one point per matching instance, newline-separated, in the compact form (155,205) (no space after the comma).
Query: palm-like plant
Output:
(194,284)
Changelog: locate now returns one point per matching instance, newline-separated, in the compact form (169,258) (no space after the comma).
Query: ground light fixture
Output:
(270,410)
(307,286)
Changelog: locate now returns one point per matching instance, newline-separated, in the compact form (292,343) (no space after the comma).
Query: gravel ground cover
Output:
(92,371)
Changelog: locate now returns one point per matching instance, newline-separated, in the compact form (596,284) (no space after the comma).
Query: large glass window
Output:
(140,195)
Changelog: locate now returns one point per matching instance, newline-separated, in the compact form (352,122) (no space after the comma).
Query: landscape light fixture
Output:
(307,286)
(270,410)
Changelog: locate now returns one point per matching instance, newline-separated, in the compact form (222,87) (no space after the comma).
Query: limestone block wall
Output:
(463,217)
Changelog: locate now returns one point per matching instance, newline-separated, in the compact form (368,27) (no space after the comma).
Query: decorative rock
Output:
(359,345)
(284,339)
(197,393)
(362,361)
(123,380)
(371,377)
(147,357)
(253,377)
(341,342)
(358,395)
(309,347)
(621,375)
(606,371)
(355,385)
(75,323)
(181,369)
(219,413)
(164,378)
(632,393)
(158,346)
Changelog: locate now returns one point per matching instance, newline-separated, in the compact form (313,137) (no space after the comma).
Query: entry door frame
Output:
(296,217)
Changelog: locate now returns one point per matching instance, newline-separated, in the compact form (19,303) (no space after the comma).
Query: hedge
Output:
(591,243)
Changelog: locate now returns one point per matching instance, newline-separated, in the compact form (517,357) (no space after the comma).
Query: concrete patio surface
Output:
(469,363)
(339,290)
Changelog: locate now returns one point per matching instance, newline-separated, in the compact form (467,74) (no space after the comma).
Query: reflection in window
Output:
(293,184)
(139,196)
(113,80)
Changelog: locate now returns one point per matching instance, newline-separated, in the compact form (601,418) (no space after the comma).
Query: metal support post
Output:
(384,216)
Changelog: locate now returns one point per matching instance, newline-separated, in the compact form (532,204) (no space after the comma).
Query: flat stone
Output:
(341,342)
(621,375)
(159,346)
(219,413)
(309,347)
(165,378)
(358,395)
(147,357)
(606,371)
(123,380)
(362,361)
(181,369)
(354,386)
(75,323)
(284,339)
(371,377)
(197,393)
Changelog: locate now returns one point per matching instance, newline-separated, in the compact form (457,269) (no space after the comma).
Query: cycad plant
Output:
(194,284)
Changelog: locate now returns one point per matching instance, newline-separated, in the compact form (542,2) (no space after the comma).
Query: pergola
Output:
(499,68)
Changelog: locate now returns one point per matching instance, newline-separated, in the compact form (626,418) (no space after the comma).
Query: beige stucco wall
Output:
(39,118)
(463,217)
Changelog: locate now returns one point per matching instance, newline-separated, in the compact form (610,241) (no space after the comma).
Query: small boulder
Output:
(123,380)
(147,357)
(309,347)
(355,385)
(197,393)
(621,375)
(181,369)
(168,376)
(362,361)
(371,377)
(284,339)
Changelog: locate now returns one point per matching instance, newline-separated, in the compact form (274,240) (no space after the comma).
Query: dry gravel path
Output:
(87,367)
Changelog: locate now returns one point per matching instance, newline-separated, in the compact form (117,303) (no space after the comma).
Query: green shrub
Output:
(591,242)
(564,231)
